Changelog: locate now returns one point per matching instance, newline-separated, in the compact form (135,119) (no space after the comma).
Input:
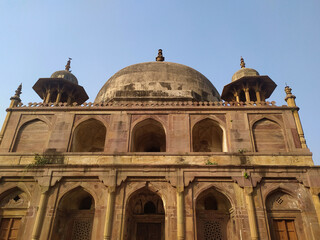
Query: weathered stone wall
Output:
(239,141)
(301,183)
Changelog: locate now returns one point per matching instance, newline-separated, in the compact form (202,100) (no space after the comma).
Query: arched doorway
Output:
(89,136)
(74,216)
(145,216)
(283,215)
(13,207)
(213,216)
(148,136)
(207,136)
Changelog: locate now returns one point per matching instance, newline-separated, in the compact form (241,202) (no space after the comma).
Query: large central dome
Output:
(158,81)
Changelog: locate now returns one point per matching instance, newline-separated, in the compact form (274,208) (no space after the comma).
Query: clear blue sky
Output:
(277,38)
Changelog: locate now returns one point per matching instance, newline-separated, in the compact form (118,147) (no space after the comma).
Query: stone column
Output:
(40,213)
(47,99)
(246,91)
(316,201)
(109,213)
(69,100)
(15,100)
(251,213)
(58,96)
(236,95)
(258,96)
(290,99)
(180,213)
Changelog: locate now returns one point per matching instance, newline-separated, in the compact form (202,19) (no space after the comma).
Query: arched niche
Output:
(213,216)
(284,215)
(32,137)
(207,136)
(89,136)
(74,216)
(268,136)
(148,136)
(145,216)
(13,208)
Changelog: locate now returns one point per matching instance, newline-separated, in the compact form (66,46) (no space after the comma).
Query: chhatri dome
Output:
(158,80)
(247,85)
(65,74)
(244,72)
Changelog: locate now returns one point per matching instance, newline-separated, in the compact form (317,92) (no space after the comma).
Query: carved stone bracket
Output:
(112,179)
(176,179)
(315,190)
(45,182)
(303,180)
(246,181)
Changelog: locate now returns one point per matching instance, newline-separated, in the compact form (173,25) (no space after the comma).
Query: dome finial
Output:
(242,63)
(68,65)
(160,57)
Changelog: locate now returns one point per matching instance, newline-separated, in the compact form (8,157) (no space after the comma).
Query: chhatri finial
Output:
(160,57)
(242,63)
(289,96)
(17,94)
(68,65)
(288,90)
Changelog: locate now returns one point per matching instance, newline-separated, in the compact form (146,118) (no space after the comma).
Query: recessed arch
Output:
(268,136)
(13,208)
(148,136)
(32,137)
(89,136)
(213,215)
(284,214)
(208,136)
(145,216)
(74,215)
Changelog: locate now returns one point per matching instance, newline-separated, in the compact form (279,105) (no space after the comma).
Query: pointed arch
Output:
(148,136)
(74,215)
(284,214)
(14,203)
(89,136)
(268,136)
(32,137)
(145,215)
(213,215)
(208,136)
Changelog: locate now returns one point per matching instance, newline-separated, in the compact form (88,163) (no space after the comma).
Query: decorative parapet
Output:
(148,104)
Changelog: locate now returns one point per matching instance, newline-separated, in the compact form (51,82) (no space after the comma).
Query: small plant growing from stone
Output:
(242,150)
(208,162)
(245,175)
(48,157)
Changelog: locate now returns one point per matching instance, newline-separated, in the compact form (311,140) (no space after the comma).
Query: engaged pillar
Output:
(40,213)
(180,213)
(109,213)
(251,213)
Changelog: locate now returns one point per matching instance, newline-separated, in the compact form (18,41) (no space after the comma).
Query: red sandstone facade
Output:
(162,166)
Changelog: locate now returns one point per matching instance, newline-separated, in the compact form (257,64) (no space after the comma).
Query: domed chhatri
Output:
(62,86)
(66,74)
(244,72)
(247,85)
(158,81)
